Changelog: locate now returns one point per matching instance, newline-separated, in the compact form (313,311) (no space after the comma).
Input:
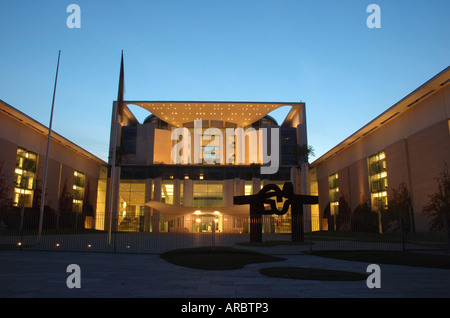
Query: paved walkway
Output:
(35,274)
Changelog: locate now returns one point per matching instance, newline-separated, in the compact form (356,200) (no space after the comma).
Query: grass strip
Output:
(430,260)
(216,258)
(273,243)
(303,273)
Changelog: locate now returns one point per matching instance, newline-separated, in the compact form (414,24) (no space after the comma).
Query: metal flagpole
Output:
(114,134)
(41,215)
(112,174)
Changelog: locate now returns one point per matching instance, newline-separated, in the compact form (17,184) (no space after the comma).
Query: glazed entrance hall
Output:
(194,204)
(179,169)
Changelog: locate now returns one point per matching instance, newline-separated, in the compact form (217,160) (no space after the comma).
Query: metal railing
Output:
(71,232)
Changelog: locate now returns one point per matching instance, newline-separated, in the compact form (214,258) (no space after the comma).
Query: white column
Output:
(147,209)
(256,185)
(156,197)
(188,192)
(228,192)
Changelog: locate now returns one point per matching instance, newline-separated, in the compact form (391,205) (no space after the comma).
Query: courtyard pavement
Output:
(131,268)
(43,274)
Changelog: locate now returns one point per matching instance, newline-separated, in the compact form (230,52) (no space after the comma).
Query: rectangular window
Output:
(131,205)
(333,186)
(210,153)
(25,178)
(378,180)
(208,193)
(128,139)
(167,191)
(78,191)
(101,199)
(288,140)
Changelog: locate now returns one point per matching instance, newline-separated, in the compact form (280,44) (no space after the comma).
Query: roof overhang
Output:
(240,113)
(424,91)
(44,130)
(172,211)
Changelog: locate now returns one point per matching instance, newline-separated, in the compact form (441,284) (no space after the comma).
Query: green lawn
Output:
(426,239)
(304,273)
(430,260)
(272,243)
(216,258)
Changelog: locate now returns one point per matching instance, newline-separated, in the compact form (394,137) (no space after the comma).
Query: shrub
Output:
(364,219)
(439,202)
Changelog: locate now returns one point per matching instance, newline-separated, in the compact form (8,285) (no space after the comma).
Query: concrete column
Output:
(147,209)
(157,197)
(239,186)
(116,199)
(256,185)
(176,192)
(228,192)
(188,192)
(305,191)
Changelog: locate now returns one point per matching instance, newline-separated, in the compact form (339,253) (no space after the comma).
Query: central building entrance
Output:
(207,223)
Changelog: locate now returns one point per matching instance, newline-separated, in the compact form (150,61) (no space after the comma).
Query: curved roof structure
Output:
(172,211)
(240,113)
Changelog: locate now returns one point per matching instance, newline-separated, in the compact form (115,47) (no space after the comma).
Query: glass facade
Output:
(210,222)
(197,183)
(101,199)
(288,145)
(128,140)
(78,191)
(179,185)
(208,193)
(378,180)
(25,178)
(167,191)
(131,205)
(333,186)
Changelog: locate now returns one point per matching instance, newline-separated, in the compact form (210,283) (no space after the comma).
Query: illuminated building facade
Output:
(181,167)
(408,144)
(72,171)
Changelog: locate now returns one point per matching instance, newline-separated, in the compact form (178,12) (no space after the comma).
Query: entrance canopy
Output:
(177,210)
(240,113)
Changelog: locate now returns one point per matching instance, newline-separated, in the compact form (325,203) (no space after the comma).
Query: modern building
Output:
(181,167)
(407,145)
(72,175)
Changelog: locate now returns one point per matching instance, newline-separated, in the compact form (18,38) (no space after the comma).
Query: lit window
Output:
(167,191)
(78,191)
(333,186)
(378,180)
(25,173)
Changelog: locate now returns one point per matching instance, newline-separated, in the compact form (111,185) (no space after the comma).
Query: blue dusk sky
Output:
(320,52)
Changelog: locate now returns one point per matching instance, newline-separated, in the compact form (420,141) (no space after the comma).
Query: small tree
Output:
(65,205)
(5,198)
(343,219)
(5,190)
(439,202)
(399,206)
(327,215)
(364,219)
(302,154)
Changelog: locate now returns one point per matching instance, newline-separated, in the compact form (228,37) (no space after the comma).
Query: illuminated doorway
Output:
(207,223)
